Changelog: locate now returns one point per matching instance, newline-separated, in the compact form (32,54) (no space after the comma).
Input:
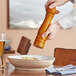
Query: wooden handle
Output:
(39,41)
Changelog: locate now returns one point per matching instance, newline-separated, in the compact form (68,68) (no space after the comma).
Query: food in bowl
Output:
(28,58)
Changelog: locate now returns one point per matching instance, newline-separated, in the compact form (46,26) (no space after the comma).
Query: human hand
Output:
(54,3)
(52,31)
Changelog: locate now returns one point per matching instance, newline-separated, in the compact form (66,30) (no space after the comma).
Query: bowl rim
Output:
(50,57)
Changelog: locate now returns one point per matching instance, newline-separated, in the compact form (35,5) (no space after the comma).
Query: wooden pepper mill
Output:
(39,41)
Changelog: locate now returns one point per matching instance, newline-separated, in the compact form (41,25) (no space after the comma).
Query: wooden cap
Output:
(24,45)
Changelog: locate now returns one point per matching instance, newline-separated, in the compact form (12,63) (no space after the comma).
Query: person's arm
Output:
(69,20)
(66,22)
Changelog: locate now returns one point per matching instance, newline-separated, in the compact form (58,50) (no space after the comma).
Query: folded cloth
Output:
(68,69)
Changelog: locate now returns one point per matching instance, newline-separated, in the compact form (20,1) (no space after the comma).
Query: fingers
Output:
(57,11)
(51,36)
(49,2)
(53,5)
(46,33)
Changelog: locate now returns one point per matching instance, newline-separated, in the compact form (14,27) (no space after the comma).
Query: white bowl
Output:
(24,64)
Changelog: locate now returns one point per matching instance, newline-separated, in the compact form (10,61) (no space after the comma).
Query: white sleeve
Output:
(68,20)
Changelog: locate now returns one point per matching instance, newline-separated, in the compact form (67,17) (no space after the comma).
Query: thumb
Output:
(45,33)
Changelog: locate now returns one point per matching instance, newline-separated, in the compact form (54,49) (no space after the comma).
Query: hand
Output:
(52,30)
(54,3)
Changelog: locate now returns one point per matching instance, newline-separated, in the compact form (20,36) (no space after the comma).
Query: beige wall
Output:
(64,39)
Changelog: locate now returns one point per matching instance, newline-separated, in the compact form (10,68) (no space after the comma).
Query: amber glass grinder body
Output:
(39,41)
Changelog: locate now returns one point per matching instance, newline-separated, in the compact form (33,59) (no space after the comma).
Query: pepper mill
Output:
(39,41)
